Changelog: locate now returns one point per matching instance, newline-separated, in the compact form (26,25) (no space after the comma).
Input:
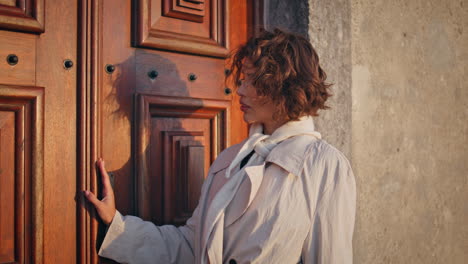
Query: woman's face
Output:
(255,108)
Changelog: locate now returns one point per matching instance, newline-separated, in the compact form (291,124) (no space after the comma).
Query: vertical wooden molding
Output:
(256,17)
(82,69)
(142,153)
(37,162)
(89,134)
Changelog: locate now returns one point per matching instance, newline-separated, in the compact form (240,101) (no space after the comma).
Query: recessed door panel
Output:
(22,15)
(198,27)
(186,10)
(7,186)
(176,170)
(177,140)
(21,174)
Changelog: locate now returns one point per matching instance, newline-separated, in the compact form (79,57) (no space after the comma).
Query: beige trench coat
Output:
(297,206)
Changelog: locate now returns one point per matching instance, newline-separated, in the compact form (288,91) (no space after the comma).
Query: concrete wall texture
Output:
(330,34)
(332,40)
(291,15)
(401,115)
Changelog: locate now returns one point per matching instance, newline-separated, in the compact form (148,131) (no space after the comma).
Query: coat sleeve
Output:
(329,240)
(129,239)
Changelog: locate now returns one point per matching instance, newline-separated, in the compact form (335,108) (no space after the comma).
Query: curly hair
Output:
(287,71)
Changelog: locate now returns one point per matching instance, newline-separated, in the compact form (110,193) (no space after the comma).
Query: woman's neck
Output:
(270,127)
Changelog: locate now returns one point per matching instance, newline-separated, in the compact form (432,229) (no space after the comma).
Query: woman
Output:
(283,195)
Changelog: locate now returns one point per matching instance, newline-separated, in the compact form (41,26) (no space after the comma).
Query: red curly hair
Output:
(287,71)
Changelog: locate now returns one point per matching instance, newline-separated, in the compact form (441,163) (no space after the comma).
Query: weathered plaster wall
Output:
(410,130)
(332,40)
(330,34)
(291,15)
(404,120)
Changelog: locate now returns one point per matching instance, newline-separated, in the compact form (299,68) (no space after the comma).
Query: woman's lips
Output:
(244,107)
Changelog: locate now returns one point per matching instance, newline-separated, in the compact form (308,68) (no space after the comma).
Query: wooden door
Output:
(38,47)
(159,108)
(137,82)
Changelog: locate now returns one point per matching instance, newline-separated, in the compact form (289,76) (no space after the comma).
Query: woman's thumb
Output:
(92,198)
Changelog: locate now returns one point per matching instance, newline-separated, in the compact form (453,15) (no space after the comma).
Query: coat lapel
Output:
(215,211)
(222,199)
(246,193)
(211,224)
(199,247)
(291,163)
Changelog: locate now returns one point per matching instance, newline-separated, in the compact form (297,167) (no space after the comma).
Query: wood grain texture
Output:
(183,29)
(193,174)
(256,17)
(240,25)
(59,42)
(117,109)
(161,122)
(23,15)
(88,148)
(8,2)
(184,10)
(88,113)
(23,46)
(175,176)
(174,70)
(26,162)
(7,186)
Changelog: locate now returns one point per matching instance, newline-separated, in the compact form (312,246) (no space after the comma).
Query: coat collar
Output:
(292,162)
(288,154)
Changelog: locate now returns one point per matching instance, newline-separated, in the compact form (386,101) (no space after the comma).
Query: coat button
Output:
(232,261)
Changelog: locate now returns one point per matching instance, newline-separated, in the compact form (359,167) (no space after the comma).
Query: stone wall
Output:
(409,122)
(330,34)
(291,15)
(331,39)
(400,114)
(410,130)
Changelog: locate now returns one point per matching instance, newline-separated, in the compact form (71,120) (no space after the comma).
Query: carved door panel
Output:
(166,111)
(37,132)
(137,82)
(160,110)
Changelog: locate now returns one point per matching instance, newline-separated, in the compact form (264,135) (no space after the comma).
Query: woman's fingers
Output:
(105,207)
(92,198)
(107,187)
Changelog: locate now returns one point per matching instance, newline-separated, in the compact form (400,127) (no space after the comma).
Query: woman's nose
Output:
(241,89)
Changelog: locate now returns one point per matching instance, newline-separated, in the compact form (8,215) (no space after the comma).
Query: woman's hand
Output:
(106,206)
